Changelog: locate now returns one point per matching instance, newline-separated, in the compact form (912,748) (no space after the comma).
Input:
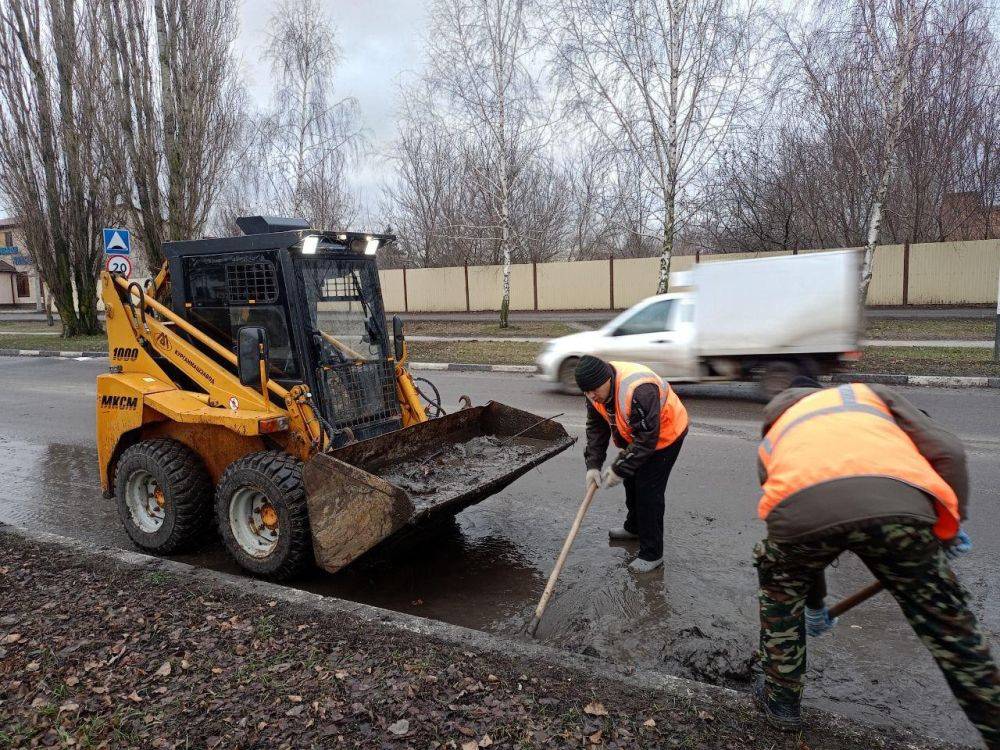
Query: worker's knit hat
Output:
(591,372)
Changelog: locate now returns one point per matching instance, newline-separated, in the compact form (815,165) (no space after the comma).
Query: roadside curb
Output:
(454,635)
(938,381)
(50,353)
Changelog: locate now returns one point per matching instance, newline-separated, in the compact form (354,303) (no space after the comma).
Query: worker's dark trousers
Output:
(644,498)
(910,563)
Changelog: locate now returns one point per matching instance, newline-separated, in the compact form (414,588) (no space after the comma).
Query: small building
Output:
(20,285)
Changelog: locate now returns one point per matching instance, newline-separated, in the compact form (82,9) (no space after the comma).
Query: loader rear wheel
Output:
(163,494)
(260,507)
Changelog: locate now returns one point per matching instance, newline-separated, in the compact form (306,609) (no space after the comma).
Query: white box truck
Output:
(765,319)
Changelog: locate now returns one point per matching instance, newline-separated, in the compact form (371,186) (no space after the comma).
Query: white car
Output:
(658,332)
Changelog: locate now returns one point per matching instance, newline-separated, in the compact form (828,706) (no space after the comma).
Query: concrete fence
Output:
(937,273)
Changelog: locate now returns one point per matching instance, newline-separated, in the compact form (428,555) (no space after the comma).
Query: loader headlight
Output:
(309,245)
(367,245)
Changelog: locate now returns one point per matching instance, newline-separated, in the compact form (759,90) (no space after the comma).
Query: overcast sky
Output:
(380,41)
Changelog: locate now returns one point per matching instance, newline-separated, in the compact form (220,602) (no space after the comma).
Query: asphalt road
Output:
(696,617)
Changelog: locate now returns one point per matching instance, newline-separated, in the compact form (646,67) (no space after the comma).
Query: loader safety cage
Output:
(322,310)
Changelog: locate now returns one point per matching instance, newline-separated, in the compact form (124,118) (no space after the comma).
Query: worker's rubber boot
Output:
(645,566)
(622,535)
(784,716)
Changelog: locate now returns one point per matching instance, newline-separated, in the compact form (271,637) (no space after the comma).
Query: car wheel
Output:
(567,379)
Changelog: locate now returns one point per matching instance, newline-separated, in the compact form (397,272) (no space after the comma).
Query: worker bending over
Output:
(859,468)
(632,405)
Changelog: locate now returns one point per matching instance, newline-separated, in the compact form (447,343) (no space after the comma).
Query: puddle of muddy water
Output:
(696,617)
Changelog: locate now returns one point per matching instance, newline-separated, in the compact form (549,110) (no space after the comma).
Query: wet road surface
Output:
(696,617)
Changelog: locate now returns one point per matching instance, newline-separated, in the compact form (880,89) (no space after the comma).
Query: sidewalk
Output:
(115,649)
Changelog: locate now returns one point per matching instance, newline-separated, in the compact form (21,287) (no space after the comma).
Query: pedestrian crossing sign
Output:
(117,242)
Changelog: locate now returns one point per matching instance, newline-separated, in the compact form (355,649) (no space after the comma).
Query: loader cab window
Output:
(655,318)
(228,291)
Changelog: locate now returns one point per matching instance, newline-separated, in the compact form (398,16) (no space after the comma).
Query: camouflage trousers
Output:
(910,563)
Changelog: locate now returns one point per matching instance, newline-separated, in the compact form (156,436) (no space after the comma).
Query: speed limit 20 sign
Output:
(119,264)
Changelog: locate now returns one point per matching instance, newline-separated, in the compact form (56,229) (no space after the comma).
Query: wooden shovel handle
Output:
(850,602)
(561,560)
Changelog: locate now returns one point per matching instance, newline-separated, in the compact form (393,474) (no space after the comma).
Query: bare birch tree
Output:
(669,80)
(48,164)
(855,59)
(175,110)
(310,137)
(479,53)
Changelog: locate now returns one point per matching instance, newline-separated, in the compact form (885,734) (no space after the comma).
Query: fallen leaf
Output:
(486,741)
(341,674)
(295,698)
(649,723)
(595,709)
(11,638)
(72,680)
(135,697)
(595,738)
(32,666)
(400,727)
(69,706)
(164,670)
(216,670)
(473,745)
(295,711)
(467,731)
(705,716)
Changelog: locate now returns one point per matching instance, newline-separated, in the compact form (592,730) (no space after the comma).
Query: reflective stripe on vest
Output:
(673,415)
(847,432)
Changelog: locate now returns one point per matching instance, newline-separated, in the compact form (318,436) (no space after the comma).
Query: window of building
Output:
(23,285)
(8,239)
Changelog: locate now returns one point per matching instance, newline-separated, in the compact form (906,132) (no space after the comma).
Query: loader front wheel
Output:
(163,494)
(260,507)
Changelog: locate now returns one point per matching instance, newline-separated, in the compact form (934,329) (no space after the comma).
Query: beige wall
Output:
(940,273)
(392,290)
(436,289)
(584,285)
(954,272)
(486,287)
(635,279)
(6,288)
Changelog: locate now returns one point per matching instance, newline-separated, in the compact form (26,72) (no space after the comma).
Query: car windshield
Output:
(343,308)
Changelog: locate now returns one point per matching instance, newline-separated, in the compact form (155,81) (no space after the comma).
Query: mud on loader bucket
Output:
(363,493)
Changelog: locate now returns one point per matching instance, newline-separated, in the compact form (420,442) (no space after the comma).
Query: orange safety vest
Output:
(673,415)
(847,432)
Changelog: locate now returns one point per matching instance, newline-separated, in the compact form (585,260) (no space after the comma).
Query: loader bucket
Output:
(363,493)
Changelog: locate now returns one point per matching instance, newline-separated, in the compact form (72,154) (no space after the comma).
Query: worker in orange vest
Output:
(859,468)
(633,406)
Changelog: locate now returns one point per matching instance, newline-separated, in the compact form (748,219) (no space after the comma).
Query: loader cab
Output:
(317,294)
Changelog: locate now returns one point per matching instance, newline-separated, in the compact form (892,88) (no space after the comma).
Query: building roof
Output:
(6,267)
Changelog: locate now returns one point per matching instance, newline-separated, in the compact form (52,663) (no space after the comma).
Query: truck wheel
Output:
(260,508)
(566,375)
(163,495)
(777,376)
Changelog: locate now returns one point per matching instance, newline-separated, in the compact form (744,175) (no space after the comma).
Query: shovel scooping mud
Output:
(561,560)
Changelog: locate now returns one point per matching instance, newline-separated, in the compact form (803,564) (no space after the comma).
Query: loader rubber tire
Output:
(277,476)
(181,476)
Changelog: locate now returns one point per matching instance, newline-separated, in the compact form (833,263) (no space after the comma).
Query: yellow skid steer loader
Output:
(254,388)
